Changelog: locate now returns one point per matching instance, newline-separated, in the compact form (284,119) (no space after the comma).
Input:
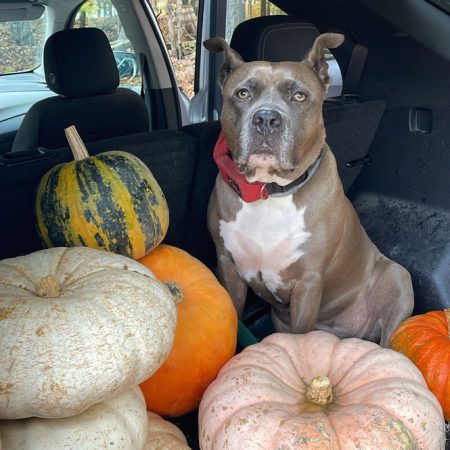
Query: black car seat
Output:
(80,67)
(273,38)
(288,38)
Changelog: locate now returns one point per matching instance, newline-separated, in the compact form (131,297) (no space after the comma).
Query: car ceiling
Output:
(365,19)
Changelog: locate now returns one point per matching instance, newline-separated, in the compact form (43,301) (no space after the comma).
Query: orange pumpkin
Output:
(425,340)
(205,336)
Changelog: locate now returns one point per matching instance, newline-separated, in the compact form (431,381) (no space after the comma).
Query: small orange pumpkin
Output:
(205,336)
(425,340)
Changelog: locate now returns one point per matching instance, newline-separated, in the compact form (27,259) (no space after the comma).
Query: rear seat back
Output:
(182,163)
(171,156)
(273,38)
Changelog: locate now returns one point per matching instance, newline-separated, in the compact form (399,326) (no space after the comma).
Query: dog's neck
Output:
(252,192)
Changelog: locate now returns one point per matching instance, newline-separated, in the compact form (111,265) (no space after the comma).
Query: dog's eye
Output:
(299,97)
(243,94)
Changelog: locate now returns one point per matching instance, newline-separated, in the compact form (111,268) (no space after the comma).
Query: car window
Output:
(177,21)
(21,45)
(102,14)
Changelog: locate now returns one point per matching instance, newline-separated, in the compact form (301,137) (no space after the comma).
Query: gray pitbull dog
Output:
(301,248)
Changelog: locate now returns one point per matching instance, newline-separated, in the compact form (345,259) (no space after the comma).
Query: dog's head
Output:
(272,112)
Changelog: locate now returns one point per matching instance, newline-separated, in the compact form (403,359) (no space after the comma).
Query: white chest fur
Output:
(265,238)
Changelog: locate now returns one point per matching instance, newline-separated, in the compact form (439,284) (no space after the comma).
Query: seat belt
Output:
(355,69)
(145,90)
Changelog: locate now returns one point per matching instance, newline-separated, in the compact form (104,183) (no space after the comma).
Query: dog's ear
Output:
(316,56)
(232,59)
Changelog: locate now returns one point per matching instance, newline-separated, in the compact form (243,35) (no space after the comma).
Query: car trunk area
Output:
(391,140)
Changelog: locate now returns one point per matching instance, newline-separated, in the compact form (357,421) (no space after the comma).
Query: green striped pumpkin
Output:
(110,202)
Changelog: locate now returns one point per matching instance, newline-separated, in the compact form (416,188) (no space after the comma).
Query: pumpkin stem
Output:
(175,290)
(447,316)
(320,391)
(76,144)
(48,287)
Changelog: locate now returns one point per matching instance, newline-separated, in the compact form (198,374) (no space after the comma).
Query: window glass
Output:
(177,21)
(102,14)
(21,45)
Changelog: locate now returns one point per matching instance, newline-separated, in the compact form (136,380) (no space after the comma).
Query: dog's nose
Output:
(267,121)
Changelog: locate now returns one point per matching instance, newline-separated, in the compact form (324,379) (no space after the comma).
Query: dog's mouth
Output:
(264,158)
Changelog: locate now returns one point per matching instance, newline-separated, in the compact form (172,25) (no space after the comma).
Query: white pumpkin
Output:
(77,326)
(117,423)
(164,435)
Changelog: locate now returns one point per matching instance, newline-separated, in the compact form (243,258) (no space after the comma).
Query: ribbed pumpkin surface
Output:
(164,435)
(110,202)
(205,336)
(78,325)
(424,339)
(117,423)
(315,391)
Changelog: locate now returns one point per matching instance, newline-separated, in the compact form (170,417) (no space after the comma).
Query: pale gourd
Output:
(119,423)
(164,435)
(315,391)
(77,326)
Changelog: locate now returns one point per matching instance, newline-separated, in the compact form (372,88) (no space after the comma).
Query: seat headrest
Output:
(273,38)
(79,62)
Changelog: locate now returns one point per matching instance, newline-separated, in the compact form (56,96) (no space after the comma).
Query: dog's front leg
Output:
(305,300)
(232,282)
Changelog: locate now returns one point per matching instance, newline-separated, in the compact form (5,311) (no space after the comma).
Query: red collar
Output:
(249,192)
(252,192)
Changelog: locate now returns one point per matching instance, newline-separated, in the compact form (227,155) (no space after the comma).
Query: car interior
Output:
(89,97)
(388,127)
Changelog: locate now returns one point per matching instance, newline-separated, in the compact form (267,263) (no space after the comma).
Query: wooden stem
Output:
(447,316)
(320,391)
(76,144)
(48,287)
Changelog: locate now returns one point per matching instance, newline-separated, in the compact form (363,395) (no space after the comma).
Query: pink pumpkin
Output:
(163,435)
(315,391)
